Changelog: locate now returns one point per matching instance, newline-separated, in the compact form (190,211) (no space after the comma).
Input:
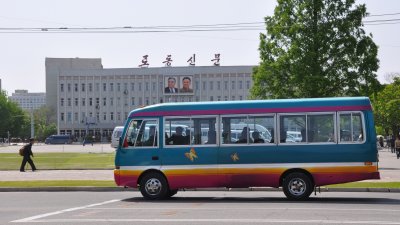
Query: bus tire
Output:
(297,186)
(154,186)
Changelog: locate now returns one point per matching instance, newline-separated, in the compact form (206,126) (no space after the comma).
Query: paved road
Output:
(198,208)
(43,148)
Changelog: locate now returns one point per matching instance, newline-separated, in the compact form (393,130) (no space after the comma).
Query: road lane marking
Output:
(33,218)
(241,221)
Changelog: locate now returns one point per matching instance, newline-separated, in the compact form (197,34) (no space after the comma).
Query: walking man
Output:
(27,153)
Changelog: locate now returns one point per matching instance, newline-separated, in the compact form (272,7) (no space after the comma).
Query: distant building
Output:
(28,101)
(90,100)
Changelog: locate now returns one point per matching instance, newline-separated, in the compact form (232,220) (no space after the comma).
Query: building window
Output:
(240,97)
(69,87)
(104,87)
(248,84)
(125,86)
(112,101)
(97,87)
(147,86)
(111,86)
(98,116)
(104,116)
(211,98)
(76,87)
(69,102)
(133,101)
(211,85)
(83,117)
(104,101)
(62,117)
(90,101)
(233,85)
(90,87)
(204,85)
(76,102)
(132,86)
(112,116)
(147,101)
(219,98)
(83,87)
(233,98)
(62,102)
(62,87)
(240,84)
(196,84)
(218,85)
(83,101)
(69,117)
(118,87)
(154,86)
(118,101)
(76,117)
(226,85)
(118,116)
(226,98)
(140,86)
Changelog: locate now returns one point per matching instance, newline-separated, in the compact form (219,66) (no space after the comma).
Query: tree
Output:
(13,119)
(387,107)
(43,125)
(316,48)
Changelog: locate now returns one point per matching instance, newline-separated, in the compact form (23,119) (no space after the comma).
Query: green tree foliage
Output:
(43,125)
(387,107)
(12,119)
(316,48)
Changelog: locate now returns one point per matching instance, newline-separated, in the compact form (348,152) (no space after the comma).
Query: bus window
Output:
(290,123)
(204,131)
(260,127)
(177,131)
(351,127)
(142,133)
(320,128)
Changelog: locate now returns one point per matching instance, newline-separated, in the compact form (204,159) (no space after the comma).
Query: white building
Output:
(93,100)
(28,101)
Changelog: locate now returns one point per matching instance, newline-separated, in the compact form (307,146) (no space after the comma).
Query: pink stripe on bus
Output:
(252,111)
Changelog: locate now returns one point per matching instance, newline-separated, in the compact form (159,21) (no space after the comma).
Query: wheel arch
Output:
(296,170)
(151,171)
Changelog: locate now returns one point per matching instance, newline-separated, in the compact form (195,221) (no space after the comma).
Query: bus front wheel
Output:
(297,186)
(154,186)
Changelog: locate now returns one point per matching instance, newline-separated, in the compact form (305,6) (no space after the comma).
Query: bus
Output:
(338,146)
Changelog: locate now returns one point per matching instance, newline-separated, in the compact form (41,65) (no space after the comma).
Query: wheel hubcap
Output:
(153,186)
(297,186)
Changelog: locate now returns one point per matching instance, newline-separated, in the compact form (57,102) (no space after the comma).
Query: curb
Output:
(121,189)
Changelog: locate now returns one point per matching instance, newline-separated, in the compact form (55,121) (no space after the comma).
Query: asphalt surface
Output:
(211,208)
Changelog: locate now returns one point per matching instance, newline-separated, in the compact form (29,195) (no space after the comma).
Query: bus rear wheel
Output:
(154,186)
(297,186)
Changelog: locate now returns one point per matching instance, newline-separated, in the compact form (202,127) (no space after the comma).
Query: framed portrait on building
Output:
(186,86)
(171,85)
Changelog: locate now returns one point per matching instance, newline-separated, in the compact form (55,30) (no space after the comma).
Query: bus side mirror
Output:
(120,141)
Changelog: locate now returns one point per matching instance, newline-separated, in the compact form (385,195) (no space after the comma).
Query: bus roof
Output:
(255,106)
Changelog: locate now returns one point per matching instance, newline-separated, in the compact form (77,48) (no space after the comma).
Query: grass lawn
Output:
(44,161)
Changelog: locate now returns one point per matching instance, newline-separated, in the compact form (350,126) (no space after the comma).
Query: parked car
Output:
(59,139)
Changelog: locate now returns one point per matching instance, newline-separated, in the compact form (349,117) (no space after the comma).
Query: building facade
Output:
(92,101)
(28,101)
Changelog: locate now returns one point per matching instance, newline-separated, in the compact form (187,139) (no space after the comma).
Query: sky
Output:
(22,54)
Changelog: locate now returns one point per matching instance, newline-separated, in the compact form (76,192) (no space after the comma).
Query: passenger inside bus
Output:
(152,140)
(177,138)
(256,137)
(244,135)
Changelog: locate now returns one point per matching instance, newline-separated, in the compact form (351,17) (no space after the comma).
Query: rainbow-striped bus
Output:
(296,144)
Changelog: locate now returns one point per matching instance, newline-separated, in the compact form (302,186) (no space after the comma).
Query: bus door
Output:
(190,153)
(245,153)
(140,148)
